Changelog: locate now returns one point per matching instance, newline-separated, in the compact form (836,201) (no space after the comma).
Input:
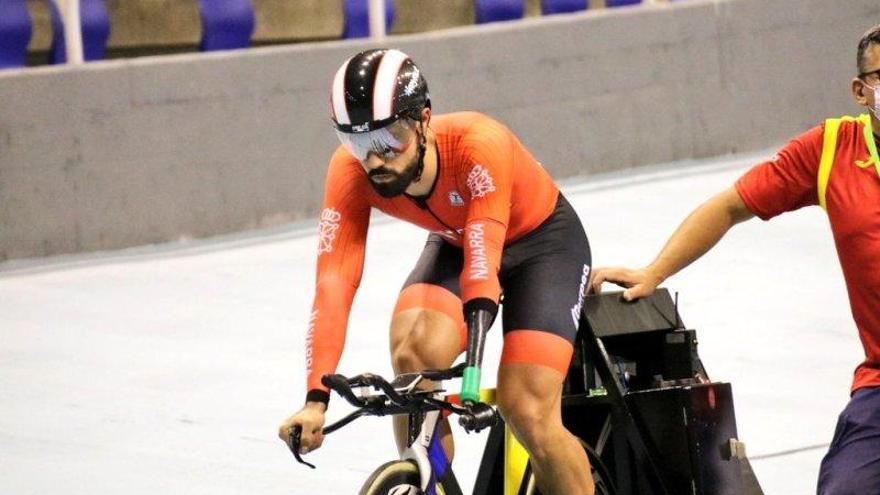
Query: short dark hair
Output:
(869,38)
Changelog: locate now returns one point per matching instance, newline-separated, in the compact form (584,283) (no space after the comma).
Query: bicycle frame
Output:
(431,458)
(424,452)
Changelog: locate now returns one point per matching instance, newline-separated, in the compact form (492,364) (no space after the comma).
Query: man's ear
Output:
(426,115)
(859,91)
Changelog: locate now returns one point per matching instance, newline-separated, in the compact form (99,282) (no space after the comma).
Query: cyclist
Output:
(836,166)
(497,222)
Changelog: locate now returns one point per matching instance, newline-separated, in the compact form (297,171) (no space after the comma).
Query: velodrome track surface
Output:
(167,369)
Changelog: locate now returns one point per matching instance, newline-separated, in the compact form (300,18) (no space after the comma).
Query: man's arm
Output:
(785,182)
(342,227)
(696,235)
(489,181)
(488,175)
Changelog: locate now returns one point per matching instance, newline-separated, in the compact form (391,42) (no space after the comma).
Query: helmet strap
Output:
(423,139)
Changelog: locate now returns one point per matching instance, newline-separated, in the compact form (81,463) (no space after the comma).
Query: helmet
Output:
(375,88)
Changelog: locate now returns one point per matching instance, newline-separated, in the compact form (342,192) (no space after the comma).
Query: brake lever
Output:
(293,443)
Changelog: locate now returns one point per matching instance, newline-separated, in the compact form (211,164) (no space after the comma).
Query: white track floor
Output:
(167,369)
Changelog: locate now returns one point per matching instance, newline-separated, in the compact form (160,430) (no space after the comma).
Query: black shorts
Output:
(543,274)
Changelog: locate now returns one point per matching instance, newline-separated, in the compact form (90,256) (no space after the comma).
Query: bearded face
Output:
(389,183)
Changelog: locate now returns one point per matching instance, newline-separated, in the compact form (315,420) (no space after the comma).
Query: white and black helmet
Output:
(375,88)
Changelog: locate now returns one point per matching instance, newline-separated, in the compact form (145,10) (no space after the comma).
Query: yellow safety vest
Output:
(829,150)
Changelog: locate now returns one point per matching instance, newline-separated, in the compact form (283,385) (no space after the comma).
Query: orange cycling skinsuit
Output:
(489,196)
(497,222)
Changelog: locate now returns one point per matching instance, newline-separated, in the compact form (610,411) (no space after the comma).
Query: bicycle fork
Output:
(427,452)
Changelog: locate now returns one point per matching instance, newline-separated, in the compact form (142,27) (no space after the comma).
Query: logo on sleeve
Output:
(479,267)
(480,182)
(310,340)
(327,227)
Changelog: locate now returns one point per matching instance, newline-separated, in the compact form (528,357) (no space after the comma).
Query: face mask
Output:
(876,109)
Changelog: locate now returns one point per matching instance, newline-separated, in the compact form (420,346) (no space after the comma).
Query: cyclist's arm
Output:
(487,173)
(343,228)
(488,178)
(784,183)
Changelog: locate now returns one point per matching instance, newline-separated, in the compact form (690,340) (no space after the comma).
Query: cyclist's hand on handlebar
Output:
(638,282)
(311,419)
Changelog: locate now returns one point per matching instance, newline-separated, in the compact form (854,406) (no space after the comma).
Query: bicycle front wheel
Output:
(393,478)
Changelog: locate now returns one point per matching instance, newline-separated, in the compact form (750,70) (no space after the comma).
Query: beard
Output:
(397,185)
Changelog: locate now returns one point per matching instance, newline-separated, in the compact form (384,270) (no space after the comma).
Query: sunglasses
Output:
(863,75)
(386,143)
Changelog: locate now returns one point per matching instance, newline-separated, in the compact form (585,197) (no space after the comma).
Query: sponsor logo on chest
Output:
(455,199)
(867,162)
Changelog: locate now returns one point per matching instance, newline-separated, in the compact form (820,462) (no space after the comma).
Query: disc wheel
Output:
(601,476)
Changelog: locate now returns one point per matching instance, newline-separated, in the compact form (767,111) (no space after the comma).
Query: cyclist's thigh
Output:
(544,276)
(852,465)
(431,293)
(439,264)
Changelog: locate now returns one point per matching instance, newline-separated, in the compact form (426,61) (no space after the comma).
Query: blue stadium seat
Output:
(226,24)
(619,3)
(15,33)
(95,29)
(357,18)
(562,6)
(498,10)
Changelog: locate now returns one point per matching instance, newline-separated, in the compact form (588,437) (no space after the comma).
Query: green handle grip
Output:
(470,385)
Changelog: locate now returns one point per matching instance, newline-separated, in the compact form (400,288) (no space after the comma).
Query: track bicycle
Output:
(636,395)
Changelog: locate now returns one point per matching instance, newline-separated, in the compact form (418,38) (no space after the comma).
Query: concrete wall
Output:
(123,153)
